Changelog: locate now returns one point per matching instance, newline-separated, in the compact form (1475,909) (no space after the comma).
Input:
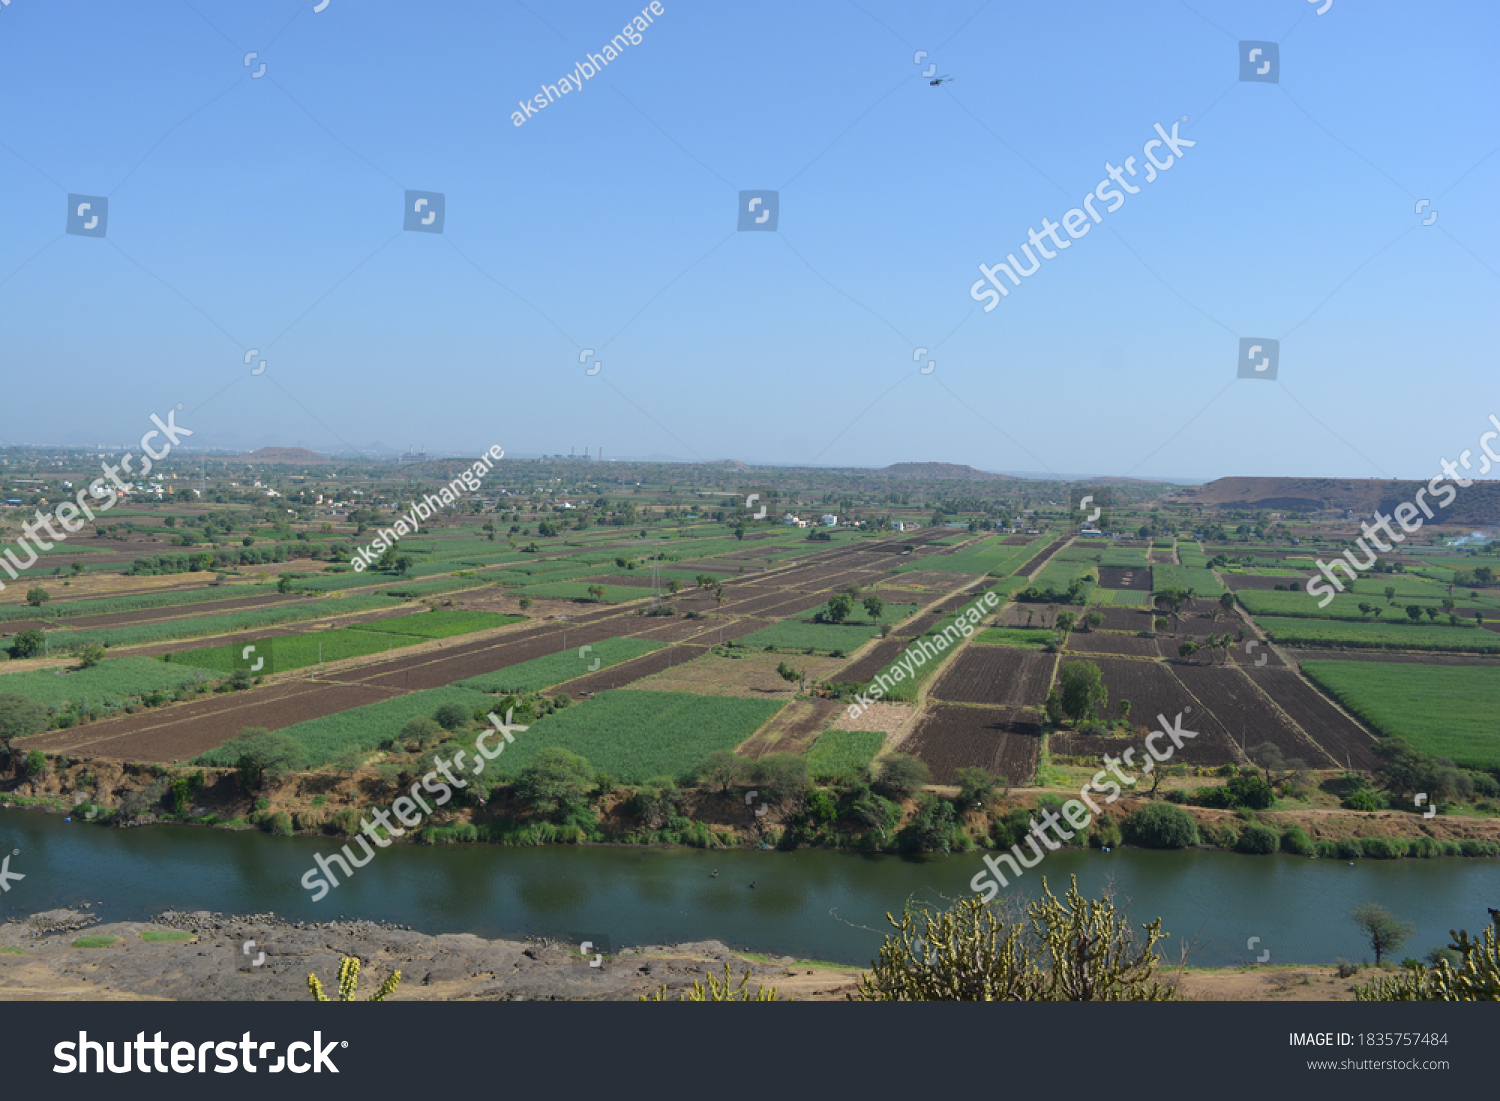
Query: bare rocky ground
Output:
(38,961)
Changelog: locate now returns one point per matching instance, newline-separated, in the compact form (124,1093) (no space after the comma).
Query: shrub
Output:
(1297,842)
(901,774)
(1163,826)
(279,823)
(1364,800)
(452,716)
(1258,840)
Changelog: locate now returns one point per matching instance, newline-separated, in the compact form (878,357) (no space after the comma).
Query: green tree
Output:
(555,782)
(874,606)
(1187,649)
(21,717)
(1390,594)
(900,775)
(1081,687)
(794,676)
(524,603)
(838,608)
(596,591)
(1065,621)
(1068,949)
(37,596)
(263,756)
(780,777)
(1385,932)
(1162,826)
(722,769)
(28,644)
(90,656)
(1414,612)
(1227,602)
(976,788)
(453,716)
(1093,620)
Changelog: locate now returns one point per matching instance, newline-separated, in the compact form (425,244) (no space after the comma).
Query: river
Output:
(812,904)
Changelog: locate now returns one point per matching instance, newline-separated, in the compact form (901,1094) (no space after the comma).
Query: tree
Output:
(975,788)
(899,775)
(21,717)
(1414,612)
(839,608)
(1390,594)
(794,676)
(453,716)
(37,596)
(28,644)
(596,591)
(719,596)
(90,656)
(1365,608)
(555,782)
(1187,649)
(1385,932)
(1093,620)
(874,606)
(1163,826)
(780,777)
(524,603)
(1227,602)
(739,531)
(1065,621)
(1475,979)
(722,769)
(1069,949)
(262,756)
(1124,706)
(1082,691)
(674,586)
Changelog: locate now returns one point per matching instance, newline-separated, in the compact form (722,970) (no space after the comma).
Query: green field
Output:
(108,685)
(989,556)
(891,613)
(794,634)
(578,590)
(298,651)
(363,728)
(539,673)
(1013,636)
(1201,581)
(1380,636)
(59,608)
(839,753)
(440,623)
(1343,606)
(1445,710)
(636,735)
(1122,598)
(221,624)
(437,586)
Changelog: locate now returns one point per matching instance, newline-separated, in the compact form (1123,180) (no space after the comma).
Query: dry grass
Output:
(753,676)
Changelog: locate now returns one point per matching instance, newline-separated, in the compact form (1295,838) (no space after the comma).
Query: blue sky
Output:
(266,213)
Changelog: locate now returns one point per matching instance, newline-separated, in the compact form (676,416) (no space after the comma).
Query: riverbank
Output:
(70,955)
(322,804)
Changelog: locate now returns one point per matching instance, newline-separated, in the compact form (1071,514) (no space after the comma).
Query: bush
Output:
(901,774)
(279,823)
(1259,841)
(1162,826)
(452,716)
(1364,800)
(1297,842)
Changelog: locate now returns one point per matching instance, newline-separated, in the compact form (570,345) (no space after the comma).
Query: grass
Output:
(1444,710)
(363,728)
(108,605)
(166,936)
(839,753)
(221,624)
(1380,636)
(892,613)
(7,950)
(1343,606)
(440,623)
(434,588)
(1122,598)
(539,673)
(796,635)
(989,556)
(1014,636)
(112,681)
(96,941)
(298,651)
(636,735)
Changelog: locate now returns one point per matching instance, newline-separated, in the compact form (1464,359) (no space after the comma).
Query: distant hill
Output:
(299,456)
(1478,504)
(941,471)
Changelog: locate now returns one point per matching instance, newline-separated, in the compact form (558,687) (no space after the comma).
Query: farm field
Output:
(565,665)
(839,753)
(1153,690)
(1447,711)
(1111,642)
(441,623)
(363,728)
(1001,676)
(1250,716)
(1342,738)
(107,686)
(1393,636)
(1201,581)
(1123,598)
(825,637)
(793,729)
(289,652)
(635,735)
(579,590)
(748,674)
(1002,741)
(1013,636)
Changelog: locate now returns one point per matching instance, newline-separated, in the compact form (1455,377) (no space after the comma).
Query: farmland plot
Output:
(999,675)
(1152,690)
(999,740)
(1241,706)
(1344,739)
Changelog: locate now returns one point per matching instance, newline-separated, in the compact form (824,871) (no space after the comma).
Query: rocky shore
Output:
(203,956)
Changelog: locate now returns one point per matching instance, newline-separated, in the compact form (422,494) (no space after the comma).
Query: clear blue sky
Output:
(266,213)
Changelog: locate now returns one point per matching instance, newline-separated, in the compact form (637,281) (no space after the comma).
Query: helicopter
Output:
(941,80)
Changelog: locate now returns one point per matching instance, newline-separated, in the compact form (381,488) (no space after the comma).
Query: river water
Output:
(812,904)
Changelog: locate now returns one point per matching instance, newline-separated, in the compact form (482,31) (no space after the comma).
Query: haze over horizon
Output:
(265,212)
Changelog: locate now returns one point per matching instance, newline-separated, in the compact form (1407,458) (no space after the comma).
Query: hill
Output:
(297,455)
(1478,504)
(941,471)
